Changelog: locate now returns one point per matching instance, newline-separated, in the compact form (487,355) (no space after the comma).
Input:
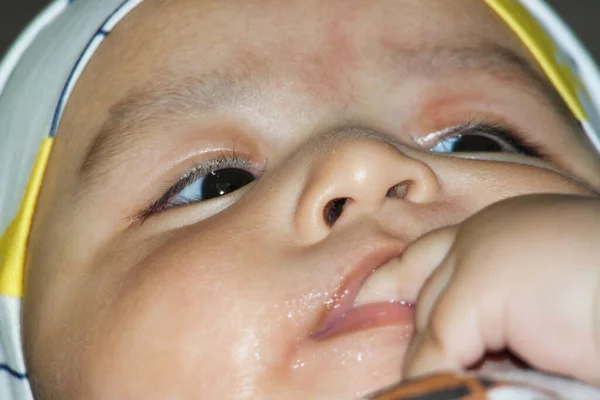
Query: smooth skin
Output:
(319,100)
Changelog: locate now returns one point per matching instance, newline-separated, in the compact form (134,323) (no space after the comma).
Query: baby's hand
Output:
(522,275)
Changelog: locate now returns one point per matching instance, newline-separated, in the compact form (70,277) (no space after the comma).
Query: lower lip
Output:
(369,316)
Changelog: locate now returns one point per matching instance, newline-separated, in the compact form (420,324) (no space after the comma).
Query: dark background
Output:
(582,15)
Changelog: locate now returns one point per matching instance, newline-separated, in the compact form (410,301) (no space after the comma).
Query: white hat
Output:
(36,79)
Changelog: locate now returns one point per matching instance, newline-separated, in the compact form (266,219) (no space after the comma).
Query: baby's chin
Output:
(347,366)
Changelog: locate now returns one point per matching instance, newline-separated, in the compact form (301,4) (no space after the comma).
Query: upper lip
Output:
(342,300)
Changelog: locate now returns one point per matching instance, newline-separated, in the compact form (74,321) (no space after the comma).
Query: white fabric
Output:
(563,388)
(12,385)
(517,393)
(36,78)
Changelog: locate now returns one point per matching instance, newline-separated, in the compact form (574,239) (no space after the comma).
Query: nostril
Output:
(399,191)
(333,210)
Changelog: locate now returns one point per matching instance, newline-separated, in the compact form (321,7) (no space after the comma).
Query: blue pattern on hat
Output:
(12,372)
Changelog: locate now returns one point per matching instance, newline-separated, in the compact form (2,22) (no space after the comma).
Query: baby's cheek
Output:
(165,336)
(475,184)
(141,323)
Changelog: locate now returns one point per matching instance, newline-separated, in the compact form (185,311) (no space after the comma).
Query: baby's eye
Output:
(208,180)
(472,143)
(486,137)
(214,184)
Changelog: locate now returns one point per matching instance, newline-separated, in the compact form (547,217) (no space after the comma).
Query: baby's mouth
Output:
(369,298)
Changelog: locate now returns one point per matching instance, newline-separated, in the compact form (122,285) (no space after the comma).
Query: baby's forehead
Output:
(261,34)
(251,45)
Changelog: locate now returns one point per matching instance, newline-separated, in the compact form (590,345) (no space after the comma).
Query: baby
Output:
(300,199)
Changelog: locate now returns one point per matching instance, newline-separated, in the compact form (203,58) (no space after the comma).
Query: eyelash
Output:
(508,134)
(221,161)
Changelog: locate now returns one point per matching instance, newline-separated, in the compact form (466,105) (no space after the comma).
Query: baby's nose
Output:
(357,177)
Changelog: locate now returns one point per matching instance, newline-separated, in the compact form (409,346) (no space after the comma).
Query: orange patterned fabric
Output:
(460,387)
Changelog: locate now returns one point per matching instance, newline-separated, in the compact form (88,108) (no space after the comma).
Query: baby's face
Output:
(228,174)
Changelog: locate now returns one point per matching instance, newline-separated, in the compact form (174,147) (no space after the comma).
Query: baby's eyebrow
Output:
(190,97)
(129,118)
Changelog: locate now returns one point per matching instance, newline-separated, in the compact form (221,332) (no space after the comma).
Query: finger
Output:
(456,322)
(431,249)
(433,288)
(426,356)
(427,253)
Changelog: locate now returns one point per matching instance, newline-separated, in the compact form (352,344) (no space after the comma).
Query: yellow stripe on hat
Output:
(13,243)
(544,50)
